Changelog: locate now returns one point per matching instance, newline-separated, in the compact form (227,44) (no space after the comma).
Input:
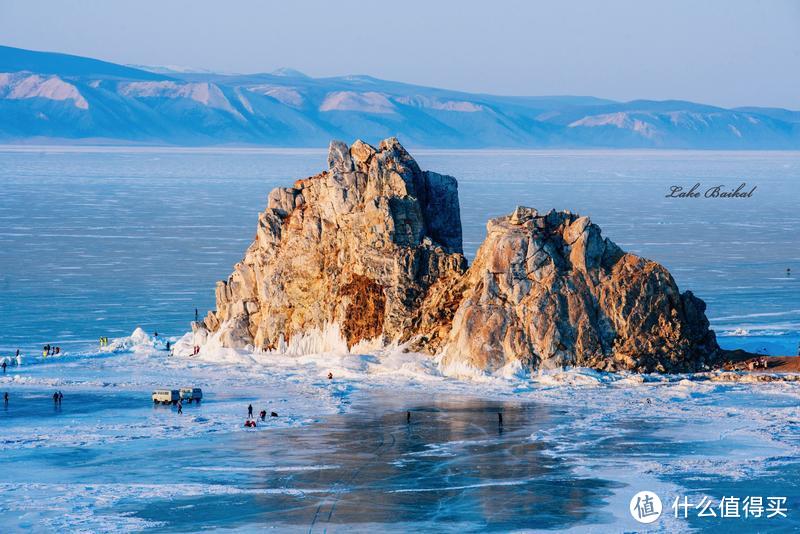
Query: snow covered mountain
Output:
(50,97)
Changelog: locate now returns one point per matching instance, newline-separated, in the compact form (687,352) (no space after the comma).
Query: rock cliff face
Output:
(355,247)
(547,290)
(372,248)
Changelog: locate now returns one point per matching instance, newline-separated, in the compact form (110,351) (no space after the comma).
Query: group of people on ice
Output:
(50,350)
(58,397)
(250,422)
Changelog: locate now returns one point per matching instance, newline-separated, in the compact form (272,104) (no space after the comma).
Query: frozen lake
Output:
(96,242)
(572,449)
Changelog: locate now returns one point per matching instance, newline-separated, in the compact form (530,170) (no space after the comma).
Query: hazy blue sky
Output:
(723,52)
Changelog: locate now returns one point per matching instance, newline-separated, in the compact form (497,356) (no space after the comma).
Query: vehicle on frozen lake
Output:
(166,396)
(191,394)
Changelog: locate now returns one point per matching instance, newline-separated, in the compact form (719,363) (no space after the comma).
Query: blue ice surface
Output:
(382,471)
(550,465)
(96,241)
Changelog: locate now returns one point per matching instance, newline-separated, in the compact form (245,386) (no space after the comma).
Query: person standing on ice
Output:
(249,411)
(180,407)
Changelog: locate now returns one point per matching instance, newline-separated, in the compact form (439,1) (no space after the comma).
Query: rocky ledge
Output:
(369,252)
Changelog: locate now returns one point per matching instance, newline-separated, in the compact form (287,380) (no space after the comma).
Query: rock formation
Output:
(355,247)
(547,290)
(371,248)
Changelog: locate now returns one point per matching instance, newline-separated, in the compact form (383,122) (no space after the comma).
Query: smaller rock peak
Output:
(362,153)
(344,159)
(391,143)
(555,218)
(522,214)
(339,159)
(391,150)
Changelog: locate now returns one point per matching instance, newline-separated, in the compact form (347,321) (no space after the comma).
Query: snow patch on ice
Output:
(747,332)
(573,377)
(91,506)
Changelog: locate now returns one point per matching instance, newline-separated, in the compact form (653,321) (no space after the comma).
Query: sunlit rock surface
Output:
(356,246)
(547,291)
(370,251)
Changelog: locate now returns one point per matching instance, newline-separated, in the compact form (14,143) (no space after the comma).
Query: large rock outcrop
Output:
(353,248)
(547,290)
(371,248)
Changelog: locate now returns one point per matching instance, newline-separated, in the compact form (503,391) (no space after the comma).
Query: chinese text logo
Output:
(645,507)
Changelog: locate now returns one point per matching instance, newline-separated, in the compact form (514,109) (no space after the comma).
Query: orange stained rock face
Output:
(364,302)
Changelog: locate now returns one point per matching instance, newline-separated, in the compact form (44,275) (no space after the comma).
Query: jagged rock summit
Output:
(369,253)
(354,249)
(548,291)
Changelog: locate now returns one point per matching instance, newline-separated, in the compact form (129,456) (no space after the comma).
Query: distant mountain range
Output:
(58,98)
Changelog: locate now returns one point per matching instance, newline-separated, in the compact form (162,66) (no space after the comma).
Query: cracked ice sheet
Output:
(655,433)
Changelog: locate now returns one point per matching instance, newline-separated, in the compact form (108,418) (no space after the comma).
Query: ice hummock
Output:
(138,342)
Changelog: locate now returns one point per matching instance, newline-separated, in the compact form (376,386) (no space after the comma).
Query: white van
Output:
(191,394)
(166,396)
